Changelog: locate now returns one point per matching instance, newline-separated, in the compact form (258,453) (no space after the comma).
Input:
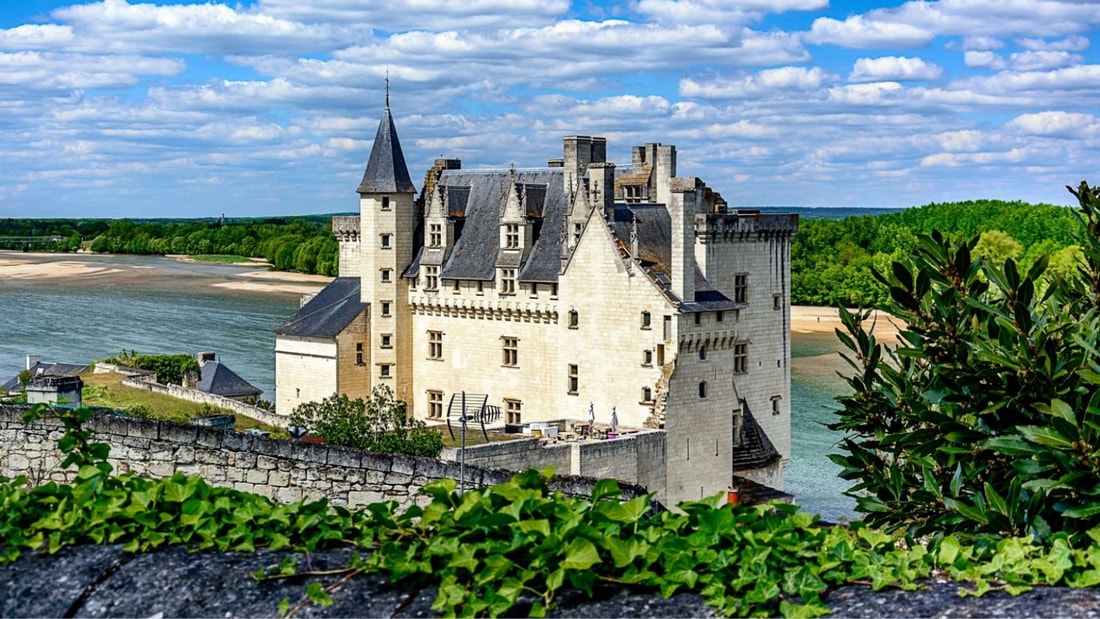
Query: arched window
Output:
(703,389)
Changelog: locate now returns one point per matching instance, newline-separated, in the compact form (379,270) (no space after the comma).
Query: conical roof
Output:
(386,170)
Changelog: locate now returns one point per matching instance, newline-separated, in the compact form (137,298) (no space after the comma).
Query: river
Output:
(159,305)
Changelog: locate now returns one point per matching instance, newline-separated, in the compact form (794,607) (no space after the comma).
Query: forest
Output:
(303,244)
(831,259)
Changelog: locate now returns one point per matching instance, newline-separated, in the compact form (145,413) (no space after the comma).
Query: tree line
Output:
(832,260)
(303,244)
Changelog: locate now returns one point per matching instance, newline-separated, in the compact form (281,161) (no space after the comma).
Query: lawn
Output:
(107,390)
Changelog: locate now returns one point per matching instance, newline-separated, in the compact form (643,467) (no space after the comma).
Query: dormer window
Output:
(511,236)
(507,281)
(431,278)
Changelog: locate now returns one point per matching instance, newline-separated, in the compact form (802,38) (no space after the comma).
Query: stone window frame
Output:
(509,351)
(507,282)
(647,358)
(741,288)
(573,379)
(435,235)
(359,353)
(385,340)
(386,309)
(435,404)
(384,240)
(647,320)
(435,345)
(513,411)
(776,399)
(511,236)
(647,395)
(574,319)
(385,370)
(702,390)
(385,275)
(741,358)
(431,277)
(385,203)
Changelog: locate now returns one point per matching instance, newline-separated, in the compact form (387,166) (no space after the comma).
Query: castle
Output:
(558,290)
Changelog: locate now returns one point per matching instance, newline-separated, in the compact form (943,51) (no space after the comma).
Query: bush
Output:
(985,416)
(170,369)
(379,424)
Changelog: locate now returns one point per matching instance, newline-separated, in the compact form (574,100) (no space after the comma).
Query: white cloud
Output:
(893,68)
(859,32)
(769,81)
(1076,43)
(45,36)
(979,43)
(1043,60)
(399,15)
(721,12)
(984,60)
(1053,123)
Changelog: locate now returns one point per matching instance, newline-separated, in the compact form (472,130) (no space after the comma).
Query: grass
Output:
(107,390)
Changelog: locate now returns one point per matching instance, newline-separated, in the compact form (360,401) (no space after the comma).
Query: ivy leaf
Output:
(580,554)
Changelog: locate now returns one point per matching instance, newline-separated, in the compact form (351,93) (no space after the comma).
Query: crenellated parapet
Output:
(744,226)
(346,228)
(509,311)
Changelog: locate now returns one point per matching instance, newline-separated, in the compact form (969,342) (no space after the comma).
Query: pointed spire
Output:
(386,170)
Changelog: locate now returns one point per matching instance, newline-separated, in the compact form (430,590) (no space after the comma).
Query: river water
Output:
(159,305)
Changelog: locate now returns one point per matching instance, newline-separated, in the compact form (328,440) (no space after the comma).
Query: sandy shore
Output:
(69,267)
(809,319)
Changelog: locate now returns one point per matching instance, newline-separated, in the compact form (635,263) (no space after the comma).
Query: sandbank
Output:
(812,319)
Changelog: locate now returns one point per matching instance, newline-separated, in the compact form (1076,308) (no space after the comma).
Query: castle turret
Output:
(388,220)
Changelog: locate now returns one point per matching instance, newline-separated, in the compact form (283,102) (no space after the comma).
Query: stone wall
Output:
(282,470)
(636,458)
(202,397)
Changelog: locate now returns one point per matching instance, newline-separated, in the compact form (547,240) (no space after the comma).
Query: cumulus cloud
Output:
(725,12)
(897,68)
(769,81)
(45,36)
(1052,123)
(984,60)
(860,32)
(399,15)
(1076,43)
(1043,60)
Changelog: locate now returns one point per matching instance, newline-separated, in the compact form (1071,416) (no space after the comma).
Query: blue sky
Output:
(268,107)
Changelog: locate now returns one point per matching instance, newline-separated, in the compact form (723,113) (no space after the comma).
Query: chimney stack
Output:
(681,210)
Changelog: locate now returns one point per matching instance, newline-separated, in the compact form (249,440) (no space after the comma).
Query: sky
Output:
(268,107)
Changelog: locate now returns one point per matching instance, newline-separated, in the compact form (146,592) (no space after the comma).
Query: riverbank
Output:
(93,268)
(812,319)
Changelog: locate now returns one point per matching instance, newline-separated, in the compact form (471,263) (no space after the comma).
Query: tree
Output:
(985,415)
(379,424)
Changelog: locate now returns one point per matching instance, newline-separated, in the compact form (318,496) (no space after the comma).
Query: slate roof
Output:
(218,379)
(329,312)
(386,170)
(655,253)
(476,196)
(756,449)
(46,370)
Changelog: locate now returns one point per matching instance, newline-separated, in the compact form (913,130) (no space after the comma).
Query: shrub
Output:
(985,416)
(379,424)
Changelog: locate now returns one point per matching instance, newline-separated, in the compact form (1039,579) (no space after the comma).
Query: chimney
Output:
(681,211)
(32,360)
(601,177)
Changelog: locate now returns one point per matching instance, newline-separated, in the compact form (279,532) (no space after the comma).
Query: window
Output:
(481,287)
(702,353)
(703,389)
(385,203)
(698,318)
(435,235)
(741,288)
(435,404)
(387,340)
(668,328)
(647,320)
(647,394)
(647,357)
(534,290)
(777,301)
(511,236)
(507,281)
(775,404)
(431,278)
(455,286)
(435,344)
(574,319)
(718,316)
(386,275)
(384,370)
(359,353)
(510,346)
(385,309)
(577,228)
(553,291)
(574,379)
(513,410)
(385,240)
(740,357)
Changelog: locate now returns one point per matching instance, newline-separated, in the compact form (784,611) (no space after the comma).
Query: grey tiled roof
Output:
(328,313)
(220,380)
(386,170)
(756,449)
(44,369)
(655,253)
(476,195)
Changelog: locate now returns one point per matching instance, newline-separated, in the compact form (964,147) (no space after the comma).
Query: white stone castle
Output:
(559,290)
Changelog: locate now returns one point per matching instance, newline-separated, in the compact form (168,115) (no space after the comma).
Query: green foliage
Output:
(170,369)
(832,259)
(379,424)
(985,416)
(513,548)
